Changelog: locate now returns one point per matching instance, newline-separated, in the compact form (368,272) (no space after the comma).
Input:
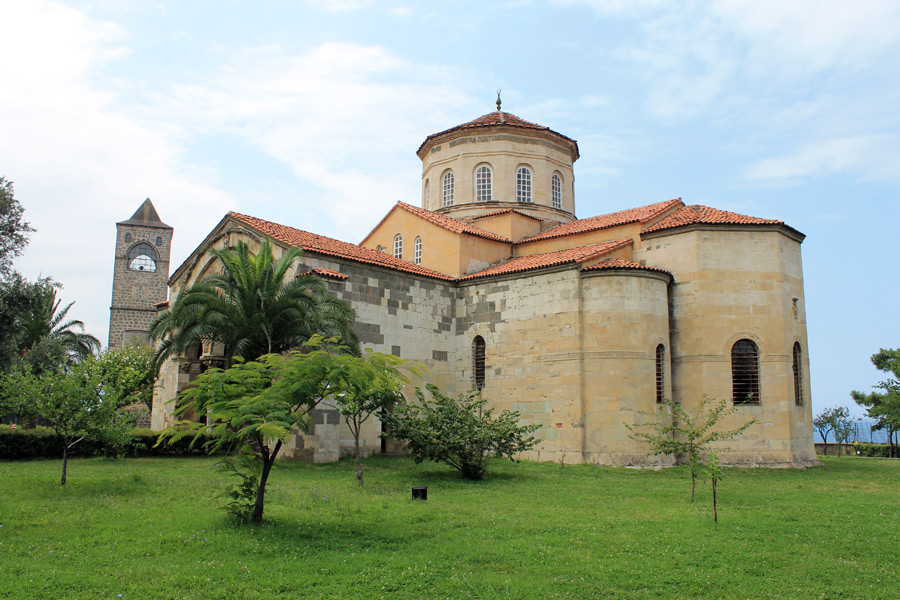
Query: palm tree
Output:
(251,310)
(48,341)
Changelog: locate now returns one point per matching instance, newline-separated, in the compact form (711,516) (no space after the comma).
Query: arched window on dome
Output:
(417,251)
(142,257)
(523,184)
(745,372)
(448,183)
(398,246)
(483,180)
(556,190)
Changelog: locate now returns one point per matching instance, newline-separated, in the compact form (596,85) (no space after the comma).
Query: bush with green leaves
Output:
(459,432)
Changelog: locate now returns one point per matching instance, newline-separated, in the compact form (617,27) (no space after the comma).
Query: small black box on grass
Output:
(420,492)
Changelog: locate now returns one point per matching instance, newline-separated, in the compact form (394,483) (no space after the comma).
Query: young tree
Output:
(688,434)
(843,427)
(829,421)
(715,474)
(884,408)
(459,432)
(252,407)
(130,372)
(368,384)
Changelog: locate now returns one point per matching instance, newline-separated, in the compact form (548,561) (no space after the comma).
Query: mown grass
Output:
(148,529)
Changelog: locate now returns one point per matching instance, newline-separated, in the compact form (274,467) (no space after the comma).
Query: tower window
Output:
(426,193)
(523,184)
(478,362)
(798,374)
(447,186)
(418,251)
(660,373)
(398,246)
(556,190)
(127,238)
(142,257)
(158,241)
(483,184)
(745,372)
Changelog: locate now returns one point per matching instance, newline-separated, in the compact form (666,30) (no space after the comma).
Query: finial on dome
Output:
(498,100)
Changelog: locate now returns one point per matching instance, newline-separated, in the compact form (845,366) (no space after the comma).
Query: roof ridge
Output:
(699,214)
(451,224)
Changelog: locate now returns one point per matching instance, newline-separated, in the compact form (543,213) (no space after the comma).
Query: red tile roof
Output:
(494,119)
(326,273)
(641,214)
(621,263)
(332,247)
(452,224)
(160,305)
(503,212)
(697,214)
(550,259)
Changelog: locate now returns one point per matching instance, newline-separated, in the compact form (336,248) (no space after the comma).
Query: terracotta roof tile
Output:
(641,214)
(503,212)
(332,247)
(493,119)
(549,259)
(326,273)
(697,214)
(451,224)
(160,305)
(621,263)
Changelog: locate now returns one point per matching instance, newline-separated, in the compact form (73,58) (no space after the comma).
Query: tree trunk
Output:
(693,484)
(359,473)
(62,480)
(268,462)
(715,504)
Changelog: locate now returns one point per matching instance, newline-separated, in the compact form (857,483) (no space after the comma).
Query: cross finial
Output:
(498,100)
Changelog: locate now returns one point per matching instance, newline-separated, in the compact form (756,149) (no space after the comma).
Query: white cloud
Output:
(341,5)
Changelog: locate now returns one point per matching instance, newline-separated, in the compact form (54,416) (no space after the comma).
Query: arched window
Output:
(398,246)
(142,257)
(556,189)
(523,184)
(447,188)
(417,256)
(478,362)
(127,238)
(483,184)
(660,373)
(158,241)
(380,248)
(425,194)
(798,374)
(745,372)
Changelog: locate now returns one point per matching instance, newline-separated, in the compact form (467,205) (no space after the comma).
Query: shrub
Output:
(875,450)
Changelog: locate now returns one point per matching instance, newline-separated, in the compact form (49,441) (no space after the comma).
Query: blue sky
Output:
(309,114)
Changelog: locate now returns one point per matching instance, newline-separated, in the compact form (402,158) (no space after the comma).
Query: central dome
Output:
(499,161)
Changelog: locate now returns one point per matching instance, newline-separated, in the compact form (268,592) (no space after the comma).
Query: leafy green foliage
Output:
(254,307)
(14,229)
(459,432)
(884,408)
(129,372)
(688,433)
(18,299)
(715,474)
(241,495)
(834,420)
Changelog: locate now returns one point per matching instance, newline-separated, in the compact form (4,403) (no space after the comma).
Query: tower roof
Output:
(499,118)
(145,216)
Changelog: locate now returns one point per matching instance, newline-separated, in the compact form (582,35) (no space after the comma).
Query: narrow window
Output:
(142,257)
(660,373)
(745,372)
(478,362)
(127,238)
(483,184)
(418,251)
(798,374)
(556,186)
(447,186)
(425,194)
(379,248)
(398,246)
(158,241)
(523,184)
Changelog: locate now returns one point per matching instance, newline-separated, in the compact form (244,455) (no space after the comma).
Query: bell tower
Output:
(140,275)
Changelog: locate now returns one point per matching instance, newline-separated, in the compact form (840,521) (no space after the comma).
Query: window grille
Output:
(483,184)
(523,184)
(449,182)
(398,246)
(745,372)
(660,373)
(556,185)
(798,374)
(418,251)
(142,257)
(478,362)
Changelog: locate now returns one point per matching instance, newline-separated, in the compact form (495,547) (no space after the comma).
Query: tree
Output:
(251,409)
(884,408)
(824,424)
(13,229)
(843,427)
(253,308)
(18,298)
(74,404)
(459,432)
(715,474)
(130,372)
(688,434)
(50,341)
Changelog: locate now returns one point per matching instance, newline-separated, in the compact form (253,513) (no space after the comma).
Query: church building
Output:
(581,325)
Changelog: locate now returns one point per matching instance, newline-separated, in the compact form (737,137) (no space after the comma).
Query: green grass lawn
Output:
(149,528)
